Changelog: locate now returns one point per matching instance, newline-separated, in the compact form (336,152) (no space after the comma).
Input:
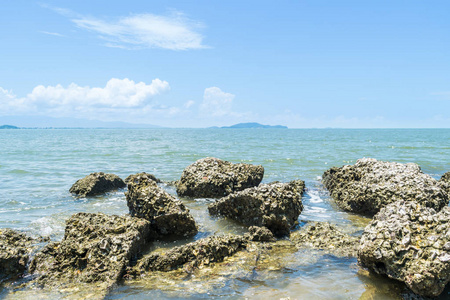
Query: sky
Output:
(303,64)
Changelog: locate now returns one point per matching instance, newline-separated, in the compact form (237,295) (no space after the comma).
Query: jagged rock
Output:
(445,182)
(205,251)
(96,248)
(142,174)
(275,206)
(325,236)
(411,243)
(369,185)
(15,248)
(213,177)
(96,183)
(167,215)
(259,234)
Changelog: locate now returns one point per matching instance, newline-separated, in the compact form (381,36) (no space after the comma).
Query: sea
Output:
(38,167)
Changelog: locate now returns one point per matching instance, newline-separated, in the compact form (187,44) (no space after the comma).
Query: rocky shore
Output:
(407,240)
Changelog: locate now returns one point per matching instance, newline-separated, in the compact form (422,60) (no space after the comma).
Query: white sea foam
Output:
(315,197)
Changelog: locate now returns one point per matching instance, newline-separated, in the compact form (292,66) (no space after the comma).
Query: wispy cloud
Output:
(442,95)
(174,31)
(118,96)
(52,33)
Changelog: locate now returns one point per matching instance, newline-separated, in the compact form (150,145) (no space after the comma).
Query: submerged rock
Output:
(209,250)
(96,183)
(142,174)
(325,236)
(213,177)
(411,243)
(369,185)
(275,206)
(168,216)
(96,248)
(15,248)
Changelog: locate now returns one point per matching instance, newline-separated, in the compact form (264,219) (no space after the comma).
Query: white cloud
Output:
(174,32)
(216,103)
(118,96)
(52,33)
(442,95)
(189,104)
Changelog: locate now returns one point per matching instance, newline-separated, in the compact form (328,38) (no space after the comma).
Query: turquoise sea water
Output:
(37,168)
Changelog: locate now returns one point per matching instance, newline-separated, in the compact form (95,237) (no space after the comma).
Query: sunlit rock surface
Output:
(201,252)
(213,177)
(136,176)
(96,248)
(96,183)
(15,248)
(275,206)
(167,215)
(411,243)
(369,185)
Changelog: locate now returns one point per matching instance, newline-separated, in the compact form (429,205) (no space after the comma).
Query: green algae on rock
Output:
(168,216)
(369,185)
(96,249)
(213,177)
(409,242)
(325,236)
(275,206)
(96,183)
(15,248)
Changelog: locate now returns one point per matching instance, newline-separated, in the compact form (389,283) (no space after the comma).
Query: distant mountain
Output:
(8,127)
(48,122)
(254,125)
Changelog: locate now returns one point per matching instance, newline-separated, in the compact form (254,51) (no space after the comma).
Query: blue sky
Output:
(353,64)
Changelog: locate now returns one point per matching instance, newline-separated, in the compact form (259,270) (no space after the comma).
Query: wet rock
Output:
(369,185)
(275,206)
(96,248)
(15,248)
(325,236)
(445,182)
(205,251)
(96,183)
(142,174)
(213,177)
(168,216)
(409,242)
(260,234)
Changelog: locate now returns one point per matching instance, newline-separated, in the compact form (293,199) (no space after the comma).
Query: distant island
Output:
(255,125)
(8,127)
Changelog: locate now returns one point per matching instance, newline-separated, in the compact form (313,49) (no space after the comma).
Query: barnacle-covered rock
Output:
(213,177)
(142,174)
(411,243)
(259,234)
(445,182)
(15,248)
(96,183)
(369,185)
(275,206)
(96,248)
(325,236)
(168,216)
(205,251)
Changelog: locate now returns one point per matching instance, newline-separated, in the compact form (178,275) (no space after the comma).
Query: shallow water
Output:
(37,168)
